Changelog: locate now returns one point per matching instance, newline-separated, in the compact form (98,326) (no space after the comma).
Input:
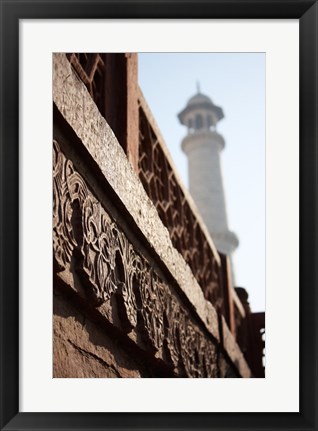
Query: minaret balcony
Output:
(202,138)
(226,242)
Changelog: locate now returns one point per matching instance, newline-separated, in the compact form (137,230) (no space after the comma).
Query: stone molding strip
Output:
(233,350)
(79,110)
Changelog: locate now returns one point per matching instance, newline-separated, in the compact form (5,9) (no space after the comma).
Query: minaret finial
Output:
(198,87)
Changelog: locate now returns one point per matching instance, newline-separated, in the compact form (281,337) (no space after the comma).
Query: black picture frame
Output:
(11,12)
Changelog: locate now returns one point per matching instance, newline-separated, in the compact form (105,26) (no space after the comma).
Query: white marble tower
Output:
(203,146)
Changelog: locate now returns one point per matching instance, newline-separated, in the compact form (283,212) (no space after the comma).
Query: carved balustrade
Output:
(111,80)
(91,70)
(163,187)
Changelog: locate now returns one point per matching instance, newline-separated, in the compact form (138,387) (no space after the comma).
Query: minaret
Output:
(203,146)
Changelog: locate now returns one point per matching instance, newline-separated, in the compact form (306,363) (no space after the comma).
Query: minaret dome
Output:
(200,114)
(203,145)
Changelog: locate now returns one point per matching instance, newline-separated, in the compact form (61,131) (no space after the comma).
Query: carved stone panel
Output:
(87,239)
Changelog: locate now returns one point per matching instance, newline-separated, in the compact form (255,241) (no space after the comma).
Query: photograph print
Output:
(158,215)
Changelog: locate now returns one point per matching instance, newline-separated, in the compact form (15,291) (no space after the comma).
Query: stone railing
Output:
(176,208)
(91,70)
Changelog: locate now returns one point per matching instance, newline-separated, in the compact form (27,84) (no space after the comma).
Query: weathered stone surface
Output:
(185,191)
(82,349)
(185,227)
(227,369)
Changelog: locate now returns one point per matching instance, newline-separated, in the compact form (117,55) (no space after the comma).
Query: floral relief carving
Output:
(210,360)
(109,265)
(125,272)
(63,237)
(151,292)
(188,348)
(172,322)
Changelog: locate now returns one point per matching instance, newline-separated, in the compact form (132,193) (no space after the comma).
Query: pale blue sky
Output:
(236,83)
